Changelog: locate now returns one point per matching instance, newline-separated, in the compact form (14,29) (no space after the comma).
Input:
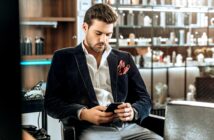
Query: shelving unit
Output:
(55,21)
(167,23)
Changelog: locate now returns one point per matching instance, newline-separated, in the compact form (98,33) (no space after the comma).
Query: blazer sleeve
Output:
(137,92)
(56,104)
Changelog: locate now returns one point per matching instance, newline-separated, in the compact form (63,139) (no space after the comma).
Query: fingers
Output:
(102,112)
(125,112)
(97,115)
(100,108)
(124,105)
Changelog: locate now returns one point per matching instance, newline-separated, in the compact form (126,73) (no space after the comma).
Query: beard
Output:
(99,47)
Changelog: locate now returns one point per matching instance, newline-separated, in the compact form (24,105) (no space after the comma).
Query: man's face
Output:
(97,35)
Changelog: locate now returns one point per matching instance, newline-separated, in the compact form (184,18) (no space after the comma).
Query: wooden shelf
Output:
(36,57)
(57,19)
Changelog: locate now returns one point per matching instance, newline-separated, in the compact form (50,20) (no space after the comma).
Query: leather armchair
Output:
(152,122)
(67,129)
(184,120)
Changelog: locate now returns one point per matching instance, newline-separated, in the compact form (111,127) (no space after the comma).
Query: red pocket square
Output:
(122,68)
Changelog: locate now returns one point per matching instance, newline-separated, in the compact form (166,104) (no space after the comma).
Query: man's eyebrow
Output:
(103,32)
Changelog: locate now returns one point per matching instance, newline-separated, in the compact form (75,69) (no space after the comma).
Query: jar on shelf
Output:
(135,2)
(131,39)
(147,21)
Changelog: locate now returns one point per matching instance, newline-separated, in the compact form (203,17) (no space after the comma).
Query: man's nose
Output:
(103,38)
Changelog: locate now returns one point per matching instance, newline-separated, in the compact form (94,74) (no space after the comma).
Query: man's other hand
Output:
(125,112)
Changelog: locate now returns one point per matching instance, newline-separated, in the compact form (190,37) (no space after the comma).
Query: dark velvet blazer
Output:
(69,86)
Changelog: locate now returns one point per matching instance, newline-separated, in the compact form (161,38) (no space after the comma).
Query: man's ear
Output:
(85,27)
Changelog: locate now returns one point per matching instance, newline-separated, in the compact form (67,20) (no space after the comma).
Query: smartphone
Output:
(113,106)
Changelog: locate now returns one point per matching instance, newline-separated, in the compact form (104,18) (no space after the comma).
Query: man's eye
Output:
(98,33)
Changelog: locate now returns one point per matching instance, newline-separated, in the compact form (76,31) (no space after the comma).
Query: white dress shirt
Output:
(100,76)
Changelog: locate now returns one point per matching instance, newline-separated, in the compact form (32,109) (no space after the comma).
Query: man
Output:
(83,80)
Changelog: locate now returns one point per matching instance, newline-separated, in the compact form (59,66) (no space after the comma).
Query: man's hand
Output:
(125,112)
(97,115)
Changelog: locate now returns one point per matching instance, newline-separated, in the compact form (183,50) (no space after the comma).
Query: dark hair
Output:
(102,12)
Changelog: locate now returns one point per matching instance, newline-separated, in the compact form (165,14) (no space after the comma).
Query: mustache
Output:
(101,43)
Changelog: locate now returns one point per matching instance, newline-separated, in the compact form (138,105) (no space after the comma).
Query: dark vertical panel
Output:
(10,101)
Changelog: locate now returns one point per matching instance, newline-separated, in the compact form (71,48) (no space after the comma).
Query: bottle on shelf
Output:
(39,46)
(172,38)
(203,39)
(141,61)
(121,2)
(130,18)
(144,2)
(210,3)
(162,2)
(173,57)
(170,18)
(179,60)
(179,19)
(155,20)
(189,56)
(148,58)
(121,17)
(140,18)
(181,37)
(191,93)
(22,49)
(162,19)
(188,38)
(126,2)
(153,2)
(27,46)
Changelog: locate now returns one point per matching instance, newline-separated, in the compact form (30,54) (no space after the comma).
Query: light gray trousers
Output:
(129,131)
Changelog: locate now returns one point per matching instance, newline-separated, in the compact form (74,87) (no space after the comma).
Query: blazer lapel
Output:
(84,72)
(113,62)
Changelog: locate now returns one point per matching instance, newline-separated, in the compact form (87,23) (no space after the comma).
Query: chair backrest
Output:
(204,93)
(189,120)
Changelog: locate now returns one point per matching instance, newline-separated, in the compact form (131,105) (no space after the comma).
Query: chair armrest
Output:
(68,130)
(154,123)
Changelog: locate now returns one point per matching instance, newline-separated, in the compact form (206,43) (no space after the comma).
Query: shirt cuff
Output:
(135,114)
(79,112)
